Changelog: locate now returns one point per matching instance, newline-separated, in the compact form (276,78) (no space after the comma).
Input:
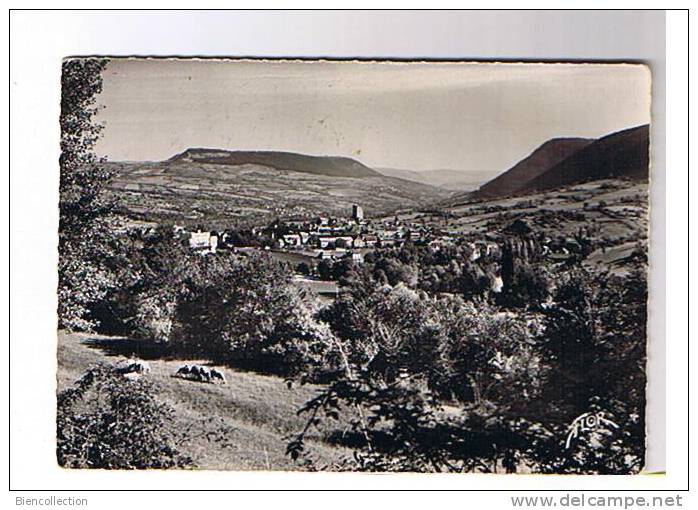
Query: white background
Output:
(40,39)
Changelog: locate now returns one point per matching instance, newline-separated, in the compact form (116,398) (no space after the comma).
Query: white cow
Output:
(133,366)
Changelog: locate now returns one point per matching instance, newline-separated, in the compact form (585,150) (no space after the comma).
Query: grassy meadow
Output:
(252,413)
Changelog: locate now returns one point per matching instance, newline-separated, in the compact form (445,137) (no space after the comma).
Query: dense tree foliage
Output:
(595,344)
(85,238)
(444,383)
(232,308)
(245,311)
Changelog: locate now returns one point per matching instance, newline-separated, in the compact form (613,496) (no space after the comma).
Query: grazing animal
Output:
(184,370)
(217,374)
(140,367)
(125,366)
(132,366)
(198,373)
(204,374)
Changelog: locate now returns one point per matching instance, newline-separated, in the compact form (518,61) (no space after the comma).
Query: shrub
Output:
(107,421)
(246,311)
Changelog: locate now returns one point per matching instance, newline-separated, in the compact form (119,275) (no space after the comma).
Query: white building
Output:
(200,240)
(325,241)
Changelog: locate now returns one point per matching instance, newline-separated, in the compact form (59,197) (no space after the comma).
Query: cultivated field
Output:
(613,212)
(225,195)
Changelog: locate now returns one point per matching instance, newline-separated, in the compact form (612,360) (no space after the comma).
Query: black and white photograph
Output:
(375,266)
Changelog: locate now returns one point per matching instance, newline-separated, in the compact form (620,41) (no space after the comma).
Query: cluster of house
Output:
(324,233)
(330,237)
(336,238)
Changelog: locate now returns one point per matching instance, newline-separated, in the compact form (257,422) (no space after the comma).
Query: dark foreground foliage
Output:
(446,385)
(85,237)
(110,422)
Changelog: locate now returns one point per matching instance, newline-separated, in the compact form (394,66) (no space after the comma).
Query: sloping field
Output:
(623,215)
(252,413)
(232,195)
(612,211)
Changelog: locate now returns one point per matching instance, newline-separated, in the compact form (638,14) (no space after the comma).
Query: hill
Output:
(624,154)
(291,161)
(538,162)
(456,180)
(566,161)
(612,212)
(189,189)
(401,173)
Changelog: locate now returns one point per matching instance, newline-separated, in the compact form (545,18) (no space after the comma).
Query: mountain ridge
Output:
(192,190)
(563,161)
(622,154)
(334,166)
(540,160)
(448,179)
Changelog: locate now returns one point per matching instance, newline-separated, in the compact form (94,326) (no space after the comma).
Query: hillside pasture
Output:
(250,416)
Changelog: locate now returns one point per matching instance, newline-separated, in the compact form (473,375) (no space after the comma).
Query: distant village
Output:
(308,242)
(326,237)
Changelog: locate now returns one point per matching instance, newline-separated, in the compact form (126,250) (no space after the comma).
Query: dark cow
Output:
(217,374)
(184,370)
(141,367)
(204,374)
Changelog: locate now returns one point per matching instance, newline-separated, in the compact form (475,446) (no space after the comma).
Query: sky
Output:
(414,116)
